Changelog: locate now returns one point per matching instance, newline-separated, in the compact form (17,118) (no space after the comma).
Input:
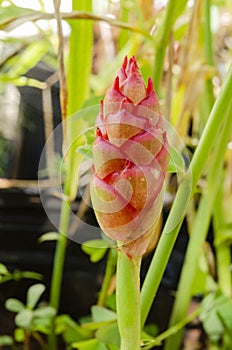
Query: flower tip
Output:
(132,60)
(124,63)
(101,106)
(150,86)
(116,84)
(133,66)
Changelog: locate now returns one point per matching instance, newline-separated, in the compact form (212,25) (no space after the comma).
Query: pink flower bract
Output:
(130,157)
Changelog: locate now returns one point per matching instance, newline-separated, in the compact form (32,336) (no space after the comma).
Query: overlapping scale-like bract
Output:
(130,157)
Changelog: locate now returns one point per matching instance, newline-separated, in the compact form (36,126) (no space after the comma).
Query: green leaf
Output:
(152,329)
(92,101)
(13,13)
(91,344)
(64,322)
(109,334)
(146,336)
(211,321)
(70,330)
(176,161)
(180,30)
(19,335)
(179,9)
(96,249)
(100,313)
(112,347)
(98,243)
(111,302)
(49,236)
(225,236)
(93,326)
(42,325)
(24,319)
(6,340)
(33,295)
(225,315)
(14,305)
(21,81)
(3,270)
(20,64)
(45,312)
(199,284)
(86,150)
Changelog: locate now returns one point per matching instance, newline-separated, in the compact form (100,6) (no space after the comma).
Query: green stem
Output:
(128,301)
(168,237)
(199,233)
(208,95)
(124,34)
(223,256)
(214,346)
(58,266)
(207,34)
(162,39)
(78,87)
(110,268)
(80,57)
(223,253)
(161,44)
(26,344)
(60,255)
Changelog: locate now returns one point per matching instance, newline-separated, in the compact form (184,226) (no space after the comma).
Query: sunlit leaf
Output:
(19,15)
(33,294)
(21,81)
(3,269)
(46,312)
(30,56)
(213,304)
(109,334)
(96,248)
(225,236)
(6,340)
(14,305)
(49,236)
(225,314)
(91,344)
(176,161)
(19,335)
(100,313)
(24,319)
(70,330)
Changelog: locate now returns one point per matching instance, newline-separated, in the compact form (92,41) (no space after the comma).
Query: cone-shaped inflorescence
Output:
(130,157)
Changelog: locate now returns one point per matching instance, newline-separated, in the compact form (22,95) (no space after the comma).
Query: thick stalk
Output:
(80,57)
(168,237)
(128,300)
(199,233)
